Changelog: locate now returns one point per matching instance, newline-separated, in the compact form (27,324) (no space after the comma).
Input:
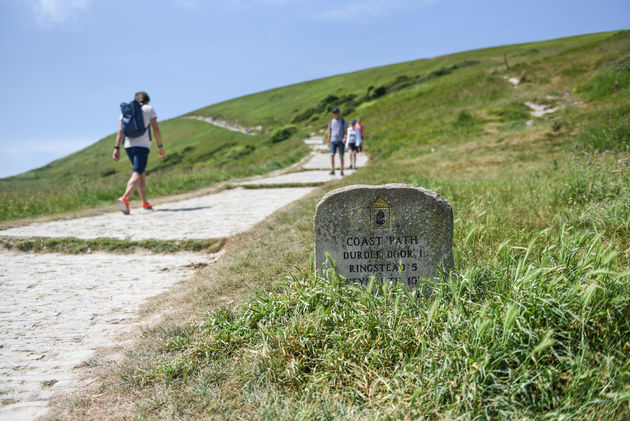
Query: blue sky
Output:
(67,64)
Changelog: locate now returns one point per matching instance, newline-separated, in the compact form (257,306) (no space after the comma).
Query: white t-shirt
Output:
(142,141)
(354,136)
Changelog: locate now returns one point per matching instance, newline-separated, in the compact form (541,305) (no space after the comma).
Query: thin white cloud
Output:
(223,4)
(278,2)
(233,5)
(53,13)
(368,10)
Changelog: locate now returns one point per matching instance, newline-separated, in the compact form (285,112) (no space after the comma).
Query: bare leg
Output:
(132,184)
(341,160)
(332,162)
(142,188)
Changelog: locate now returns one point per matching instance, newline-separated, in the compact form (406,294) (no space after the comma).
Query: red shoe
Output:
(147,206)
(124,205)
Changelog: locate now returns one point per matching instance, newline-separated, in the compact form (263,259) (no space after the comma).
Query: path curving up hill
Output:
(58,310)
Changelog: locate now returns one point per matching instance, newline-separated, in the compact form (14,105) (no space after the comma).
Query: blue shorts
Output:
(334,146)
(138,157)
(353,147)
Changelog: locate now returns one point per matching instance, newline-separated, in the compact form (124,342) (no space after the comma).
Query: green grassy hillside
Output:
(407,107)
(534,321)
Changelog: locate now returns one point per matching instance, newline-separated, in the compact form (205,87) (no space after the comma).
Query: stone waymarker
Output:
(380,230)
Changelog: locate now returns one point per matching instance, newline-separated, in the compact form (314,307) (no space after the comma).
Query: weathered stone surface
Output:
(392,232)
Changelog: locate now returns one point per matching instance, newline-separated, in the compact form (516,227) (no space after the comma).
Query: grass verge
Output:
(109,245)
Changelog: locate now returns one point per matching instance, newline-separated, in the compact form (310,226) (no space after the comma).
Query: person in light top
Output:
(337,132)
(354,143)
(137,149)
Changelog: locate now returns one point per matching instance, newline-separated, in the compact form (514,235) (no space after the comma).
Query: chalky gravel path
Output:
(57,310)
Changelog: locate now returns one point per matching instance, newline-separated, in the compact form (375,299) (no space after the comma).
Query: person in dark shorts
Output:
(337,131)
(137,149)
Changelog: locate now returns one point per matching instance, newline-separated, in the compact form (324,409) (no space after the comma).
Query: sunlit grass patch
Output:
(518,337)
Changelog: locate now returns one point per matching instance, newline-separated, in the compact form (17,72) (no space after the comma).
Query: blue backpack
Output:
(132,119)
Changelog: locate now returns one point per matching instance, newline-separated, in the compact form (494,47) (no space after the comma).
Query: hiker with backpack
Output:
(337,132)
(136,120)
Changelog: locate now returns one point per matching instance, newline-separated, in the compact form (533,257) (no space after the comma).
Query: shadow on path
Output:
(181,209)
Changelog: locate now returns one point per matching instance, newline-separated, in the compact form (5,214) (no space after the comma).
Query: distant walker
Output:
(337,134)
(136,120)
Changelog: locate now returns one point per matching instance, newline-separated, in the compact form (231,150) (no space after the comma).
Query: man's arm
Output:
(119,137)
(158,136)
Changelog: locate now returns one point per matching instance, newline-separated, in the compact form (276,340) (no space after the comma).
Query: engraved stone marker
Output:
(381,231)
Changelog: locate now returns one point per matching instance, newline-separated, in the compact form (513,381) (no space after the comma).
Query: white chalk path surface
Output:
(56,310)
(302,177)
(213,216)
(321,161)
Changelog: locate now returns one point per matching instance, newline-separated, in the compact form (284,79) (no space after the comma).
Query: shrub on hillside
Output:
(464,119)
(379,91)
(327,103)
(304,115)
(283,133)
(513,111)
(239,151)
